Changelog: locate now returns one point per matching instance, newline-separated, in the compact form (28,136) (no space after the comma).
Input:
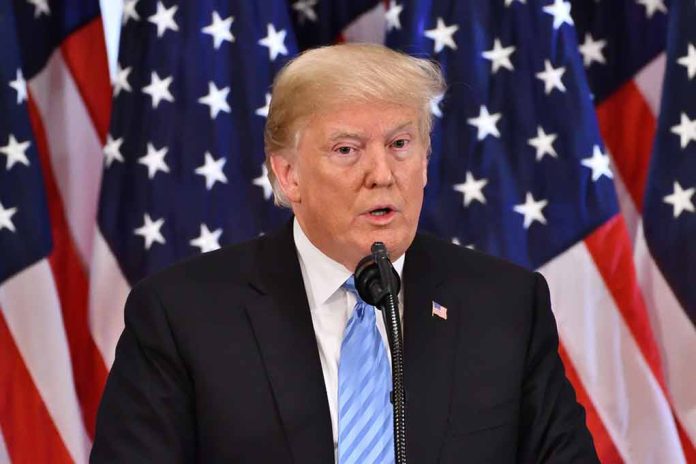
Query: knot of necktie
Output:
(360,305)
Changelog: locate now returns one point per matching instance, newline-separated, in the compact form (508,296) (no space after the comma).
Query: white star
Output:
(220,29)
(158,89)
(154,160)
(551,77)
(651,6)
(442,35)
(435,105)
(212,170)
(207,241)
(112,150)
(15,152)
(263,111)
(150,231)
(40,7)
(305,8)
(599,163)
(686,130)
(455,241)
(485,123)
(499,56)
(129,11)
(20,85)
(591,50)
(543,143)
(274,41)
(216,100)
(164,19)
(121,79)
(688,61)
(510,2)
(680,199)
(472,189)
(6,218)
(560,10)
(392,15)
(531,210)
(263,182)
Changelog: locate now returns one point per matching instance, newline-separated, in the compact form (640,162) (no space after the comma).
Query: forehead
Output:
(364,120)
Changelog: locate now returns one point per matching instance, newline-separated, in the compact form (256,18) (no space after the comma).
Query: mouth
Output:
(382,214)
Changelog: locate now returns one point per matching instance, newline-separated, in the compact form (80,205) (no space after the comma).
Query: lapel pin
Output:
(439,310)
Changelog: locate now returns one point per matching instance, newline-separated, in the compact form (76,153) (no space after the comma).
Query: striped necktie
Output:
(365,426)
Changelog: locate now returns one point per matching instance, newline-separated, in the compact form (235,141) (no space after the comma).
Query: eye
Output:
(345,150)
(400,143)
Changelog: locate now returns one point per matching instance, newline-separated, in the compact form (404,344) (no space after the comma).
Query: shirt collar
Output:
(322,275)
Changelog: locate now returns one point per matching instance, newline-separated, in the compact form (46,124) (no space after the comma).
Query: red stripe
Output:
(608,454)
(687,445)
(628,128)
(30,433)
(89,370)
(84,52)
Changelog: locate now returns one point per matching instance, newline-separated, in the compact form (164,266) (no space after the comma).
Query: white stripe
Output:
(619,382)
(74,148)
(30,305)
(107,296)
(371,26)
(675,335)
(649,81)
(4,455)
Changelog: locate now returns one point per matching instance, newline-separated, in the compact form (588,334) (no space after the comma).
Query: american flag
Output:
(519,169)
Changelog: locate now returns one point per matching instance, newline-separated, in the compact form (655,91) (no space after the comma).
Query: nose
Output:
(378,169)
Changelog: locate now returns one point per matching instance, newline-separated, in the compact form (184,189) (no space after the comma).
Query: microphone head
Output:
(368,278)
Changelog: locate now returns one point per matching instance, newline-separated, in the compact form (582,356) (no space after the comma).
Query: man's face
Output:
(357,177)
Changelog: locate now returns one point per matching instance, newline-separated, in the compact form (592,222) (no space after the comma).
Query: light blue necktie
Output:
(365,425)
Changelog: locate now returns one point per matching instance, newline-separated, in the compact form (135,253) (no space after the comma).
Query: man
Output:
(250,354)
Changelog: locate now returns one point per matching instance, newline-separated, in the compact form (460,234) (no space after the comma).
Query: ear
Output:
(286,173)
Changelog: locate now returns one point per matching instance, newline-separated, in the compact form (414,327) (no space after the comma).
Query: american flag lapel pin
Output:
(439,310)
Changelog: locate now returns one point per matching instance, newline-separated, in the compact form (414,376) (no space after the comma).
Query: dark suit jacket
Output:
(218,362)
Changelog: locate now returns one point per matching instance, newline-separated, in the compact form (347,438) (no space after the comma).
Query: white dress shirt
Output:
(331,308)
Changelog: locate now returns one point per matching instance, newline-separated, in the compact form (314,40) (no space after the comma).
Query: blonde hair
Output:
(322,77)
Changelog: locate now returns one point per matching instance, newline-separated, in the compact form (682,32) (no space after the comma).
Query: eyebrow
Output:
(342,134)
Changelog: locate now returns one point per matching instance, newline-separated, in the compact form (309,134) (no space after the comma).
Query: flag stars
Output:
(40,7)
(560,10)
(591,50)
(274,41)
(121,79)
(599,163)
(151,231)
(20,86)
(392,15)
(435,105)
(212,170)
(552,77)
(129,11)
(680,199)
(112,150)
(531,210)
(220,30)
(154,160)
(6,218)
(442,34)
(510,2)
(485,123)
(499,56)
(16,152)
(158,89)
(263,111)
(686,130)
(164,19)
(652,6)
(216,100)
(472,189)
(543,143)
(305,10)
(263,182)
(207,240)
(688,61)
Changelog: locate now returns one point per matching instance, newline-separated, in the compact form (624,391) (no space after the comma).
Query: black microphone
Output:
(378,284)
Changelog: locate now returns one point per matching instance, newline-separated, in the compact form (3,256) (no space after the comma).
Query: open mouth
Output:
(381,211)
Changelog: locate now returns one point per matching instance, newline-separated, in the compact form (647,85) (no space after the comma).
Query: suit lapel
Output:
(283,328)
(429,347)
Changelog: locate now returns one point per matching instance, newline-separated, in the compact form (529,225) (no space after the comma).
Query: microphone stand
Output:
(378,284)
